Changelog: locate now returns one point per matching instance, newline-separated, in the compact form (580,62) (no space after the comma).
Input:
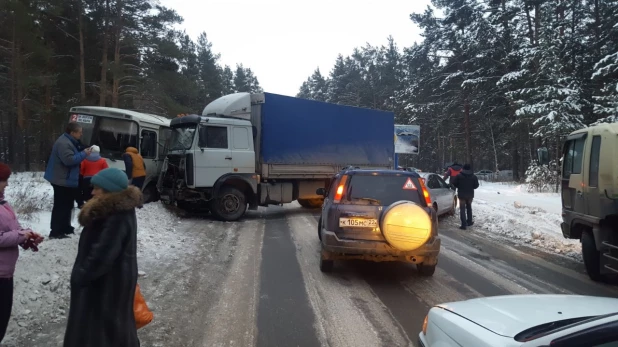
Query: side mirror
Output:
(321,191)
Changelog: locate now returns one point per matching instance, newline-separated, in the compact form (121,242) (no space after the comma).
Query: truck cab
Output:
(590,197)
(206,153)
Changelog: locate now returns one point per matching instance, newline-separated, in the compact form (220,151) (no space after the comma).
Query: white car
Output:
(442,196)
(523,321)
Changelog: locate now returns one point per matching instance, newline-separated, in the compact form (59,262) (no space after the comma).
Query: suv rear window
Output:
(385,188)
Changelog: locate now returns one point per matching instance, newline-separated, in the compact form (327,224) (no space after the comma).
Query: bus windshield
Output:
(182,137)
(112,135)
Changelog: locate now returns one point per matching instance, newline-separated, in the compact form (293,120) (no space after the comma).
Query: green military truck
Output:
(590,197)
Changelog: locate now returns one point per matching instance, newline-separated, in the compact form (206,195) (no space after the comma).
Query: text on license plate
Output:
(358,223)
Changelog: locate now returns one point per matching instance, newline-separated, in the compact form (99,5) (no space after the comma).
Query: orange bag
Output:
(143,315)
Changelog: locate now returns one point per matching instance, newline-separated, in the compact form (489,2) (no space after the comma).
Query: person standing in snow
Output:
(90,167)
(452,172)
(466,182)
(63,174)
(105,272)
(134,166)
(11,236)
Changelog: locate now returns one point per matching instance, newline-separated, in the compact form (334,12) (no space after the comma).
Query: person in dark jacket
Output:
(63,173)
(105,272)
(452,172)
(466,182)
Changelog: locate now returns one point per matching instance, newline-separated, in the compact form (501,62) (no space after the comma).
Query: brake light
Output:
(340,188)
(425,192)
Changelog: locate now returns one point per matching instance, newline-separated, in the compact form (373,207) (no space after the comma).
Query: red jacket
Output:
(92,166)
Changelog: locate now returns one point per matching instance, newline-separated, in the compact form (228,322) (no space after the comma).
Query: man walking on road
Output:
(63,174)
(466,182)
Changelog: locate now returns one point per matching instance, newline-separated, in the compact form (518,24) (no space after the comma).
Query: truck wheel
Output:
(311,203)
(426,270)
(592,257)
(229,205)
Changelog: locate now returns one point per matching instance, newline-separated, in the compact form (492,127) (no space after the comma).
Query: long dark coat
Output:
(105,273)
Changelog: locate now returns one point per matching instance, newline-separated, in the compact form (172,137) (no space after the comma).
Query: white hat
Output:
(95,149)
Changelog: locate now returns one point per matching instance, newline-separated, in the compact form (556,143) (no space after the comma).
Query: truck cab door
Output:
(213,158)
(592,193)
(243,154)
(573,175)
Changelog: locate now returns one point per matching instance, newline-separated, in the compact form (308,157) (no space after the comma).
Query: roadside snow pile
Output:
(531,218)
(42,278)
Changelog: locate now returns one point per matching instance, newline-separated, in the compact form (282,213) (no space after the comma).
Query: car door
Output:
(447,195)
(213,159)
(434,189)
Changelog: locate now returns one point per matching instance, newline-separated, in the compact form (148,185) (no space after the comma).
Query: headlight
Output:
(425,324)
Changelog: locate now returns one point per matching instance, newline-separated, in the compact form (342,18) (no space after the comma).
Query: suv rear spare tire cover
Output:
(405,225)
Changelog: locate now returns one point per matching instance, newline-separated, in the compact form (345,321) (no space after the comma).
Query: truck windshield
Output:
(112,135)
(182,137)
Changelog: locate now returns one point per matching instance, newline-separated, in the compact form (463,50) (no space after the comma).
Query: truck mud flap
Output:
(611,257)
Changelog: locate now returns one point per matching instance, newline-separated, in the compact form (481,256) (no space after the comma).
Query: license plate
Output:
(358,223)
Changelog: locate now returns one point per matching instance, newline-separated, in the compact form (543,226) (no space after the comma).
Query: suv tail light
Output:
(425,192)
(340,189)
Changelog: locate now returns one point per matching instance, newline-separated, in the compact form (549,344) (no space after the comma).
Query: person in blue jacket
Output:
(63,174)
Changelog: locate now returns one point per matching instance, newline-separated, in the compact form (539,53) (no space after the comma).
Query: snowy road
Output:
(257,283)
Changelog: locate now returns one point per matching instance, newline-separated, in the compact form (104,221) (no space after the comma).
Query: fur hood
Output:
(103,206)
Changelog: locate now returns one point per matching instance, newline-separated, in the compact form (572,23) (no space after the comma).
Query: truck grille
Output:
(175,171)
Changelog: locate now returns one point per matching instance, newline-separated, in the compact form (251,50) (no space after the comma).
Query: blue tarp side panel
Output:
(306,132)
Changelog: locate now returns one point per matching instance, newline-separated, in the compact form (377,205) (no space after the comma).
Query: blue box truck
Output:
(249,150)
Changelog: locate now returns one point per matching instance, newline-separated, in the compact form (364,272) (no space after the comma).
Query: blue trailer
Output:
(262,149)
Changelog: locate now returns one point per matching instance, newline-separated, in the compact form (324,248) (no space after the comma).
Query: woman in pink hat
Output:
(11,236)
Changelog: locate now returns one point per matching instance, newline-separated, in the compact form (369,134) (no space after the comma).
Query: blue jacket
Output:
(63,164)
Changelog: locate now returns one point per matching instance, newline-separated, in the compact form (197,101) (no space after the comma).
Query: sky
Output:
(283,42)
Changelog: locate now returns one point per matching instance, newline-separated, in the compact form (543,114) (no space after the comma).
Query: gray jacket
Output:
(63,165)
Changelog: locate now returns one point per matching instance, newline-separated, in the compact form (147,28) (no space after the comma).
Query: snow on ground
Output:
(42,278)
(508,210)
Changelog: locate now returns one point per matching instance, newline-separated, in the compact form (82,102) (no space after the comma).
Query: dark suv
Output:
(378,215)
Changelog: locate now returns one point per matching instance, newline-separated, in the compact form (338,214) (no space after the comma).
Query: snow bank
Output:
(42,278)
(510,211)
